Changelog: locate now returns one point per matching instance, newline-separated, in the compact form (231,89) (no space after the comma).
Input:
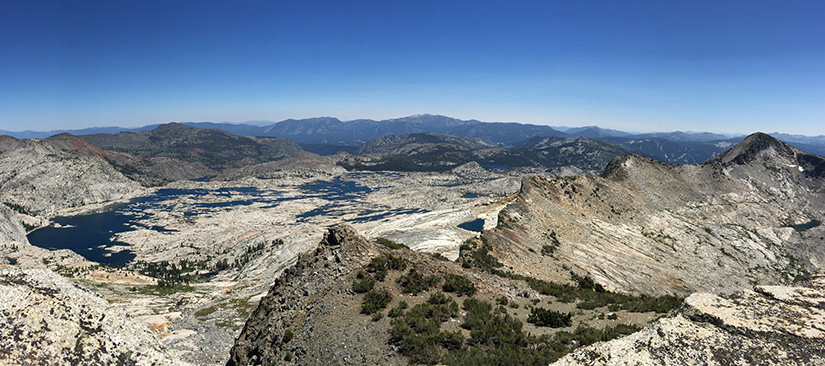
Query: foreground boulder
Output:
(771,325)
(48,321)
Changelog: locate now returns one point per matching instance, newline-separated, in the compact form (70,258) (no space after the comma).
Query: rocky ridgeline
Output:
(48,321)
(752,215)
(771,325)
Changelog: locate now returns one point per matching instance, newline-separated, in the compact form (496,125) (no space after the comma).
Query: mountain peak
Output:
(756,146)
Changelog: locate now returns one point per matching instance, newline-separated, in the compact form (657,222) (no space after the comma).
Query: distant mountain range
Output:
(328,135)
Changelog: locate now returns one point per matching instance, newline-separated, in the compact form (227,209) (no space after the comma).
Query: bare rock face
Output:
(751,215)
(771,325)
(48,321)
(11,230)
(298,318)
(39,178)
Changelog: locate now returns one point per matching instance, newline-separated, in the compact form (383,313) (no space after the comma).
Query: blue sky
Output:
(732,66)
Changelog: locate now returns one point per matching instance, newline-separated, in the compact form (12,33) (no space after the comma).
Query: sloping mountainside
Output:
(771,325)
(38,177)
(751,215)
(301,164)
(332,130)
(150,171)
(594,132)
(48,321)
(358,302)
(684,136)
(674,152)
(411,143)
(435,152)
(210,147)
(553,152)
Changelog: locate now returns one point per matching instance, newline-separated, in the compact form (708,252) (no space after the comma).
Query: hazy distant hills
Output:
(328,135)
(331,130)
(213,148)
(398,143)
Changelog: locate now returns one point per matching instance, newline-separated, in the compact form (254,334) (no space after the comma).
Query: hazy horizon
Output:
(560,128)
(732,67)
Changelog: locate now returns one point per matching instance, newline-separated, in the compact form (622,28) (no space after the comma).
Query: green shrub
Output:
(395,312)
(363,286)
(417,334)
(288,335)
(375,300)
(548,318)
(379,266)
(438,298)
(451,340)
(482,259)
(414,282)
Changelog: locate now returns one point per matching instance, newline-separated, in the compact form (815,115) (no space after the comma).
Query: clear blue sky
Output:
(721,66)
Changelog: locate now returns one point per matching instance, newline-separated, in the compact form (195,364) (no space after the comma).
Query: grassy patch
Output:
(548,318)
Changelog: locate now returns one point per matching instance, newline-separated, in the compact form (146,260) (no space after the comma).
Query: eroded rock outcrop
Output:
(770,325)
(48,321)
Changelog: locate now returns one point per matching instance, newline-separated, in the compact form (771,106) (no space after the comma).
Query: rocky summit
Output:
(769,325)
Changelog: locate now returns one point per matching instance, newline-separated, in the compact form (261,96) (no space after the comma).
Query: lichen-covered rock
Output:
(45,320)
(772,325)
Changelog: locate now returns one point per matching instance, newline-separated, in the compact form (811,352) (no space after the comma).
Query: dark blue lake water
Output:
(475,225)
(806,226)
(90,234)
(341,195)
